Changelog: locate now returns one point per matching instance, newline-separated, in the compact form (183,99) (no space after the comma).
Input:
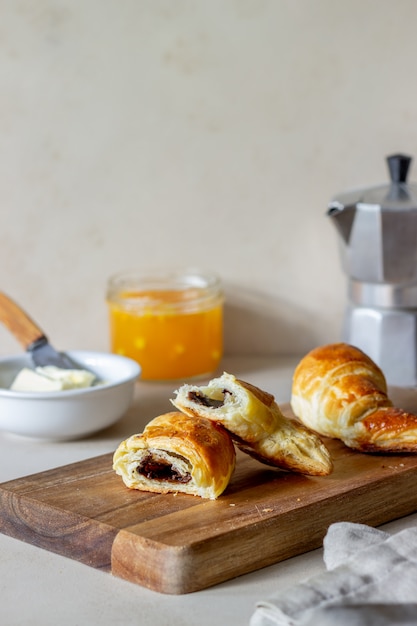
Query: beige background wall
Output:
(136,133)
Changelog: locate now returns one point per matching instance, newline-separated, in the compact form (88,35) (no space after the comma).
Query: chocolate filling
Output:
(161,470)
(200,398)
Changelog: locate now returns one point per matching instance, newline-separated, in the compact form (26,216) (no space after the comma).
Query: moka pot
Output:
(378,246)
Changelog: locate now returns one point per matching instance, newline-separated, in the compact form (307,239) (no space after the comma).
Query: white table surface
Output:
(39,587)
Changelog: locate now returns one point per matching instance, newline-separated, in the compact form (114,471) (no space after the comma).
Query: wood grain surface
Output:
(178,544)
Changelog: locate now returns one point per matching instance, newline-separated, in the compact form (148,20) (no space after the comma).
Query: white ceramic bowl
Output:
(73,413)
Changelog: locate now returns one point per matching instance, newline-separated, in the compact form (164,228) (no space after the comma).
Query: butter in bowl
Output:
(48,409)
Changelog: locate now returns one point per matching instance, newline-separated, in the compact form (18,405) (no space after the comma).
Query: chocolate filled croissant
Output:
(177,454)
(339,392)
(256,424)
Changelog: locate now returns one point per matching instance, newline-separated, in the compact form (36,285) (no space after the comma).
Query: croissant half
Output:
(256,424)
(176,453)
(339,392)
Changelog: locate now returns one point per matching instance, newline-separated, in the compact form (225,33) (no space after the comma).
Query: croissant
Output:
(256,424)
(177,454)
(339,392)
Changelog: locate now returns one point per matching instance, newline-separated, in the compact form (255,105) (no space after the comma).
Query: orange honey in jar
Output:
(171,323)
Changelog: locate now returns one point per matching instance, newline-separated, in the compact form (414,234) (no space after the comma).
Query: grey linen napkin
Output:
(371,578)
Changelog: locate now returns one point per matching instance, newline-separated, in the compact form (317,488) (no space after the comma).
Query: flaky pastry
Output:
(256,424)
(339,392)
(177,454)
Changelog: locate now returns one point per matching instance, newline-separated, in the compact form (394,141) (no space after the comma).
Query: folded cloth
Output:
(371,578)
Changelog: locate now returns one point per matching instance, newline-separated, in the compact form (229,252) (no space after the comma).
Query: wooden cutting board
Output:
(179,544)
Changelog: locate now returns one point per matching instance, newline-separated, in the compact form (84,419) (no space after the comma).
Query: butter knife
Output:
(31,337)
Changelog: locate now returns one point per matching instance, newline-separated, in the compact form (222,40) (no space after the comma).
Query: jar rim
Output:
(204,288)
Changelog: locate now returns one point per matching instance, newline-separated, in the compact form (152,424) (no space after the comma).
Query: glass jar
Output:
(170,322)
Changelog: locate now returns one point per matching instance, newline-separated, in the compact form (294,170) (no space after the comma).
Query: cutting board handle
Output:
(18,322)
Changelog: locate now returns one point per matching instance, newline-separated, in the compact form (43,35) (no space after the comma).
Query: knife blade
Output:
(31,336)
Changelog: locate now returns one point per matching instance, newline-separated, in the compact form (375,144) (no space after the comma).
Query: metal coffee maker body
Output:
(378,247)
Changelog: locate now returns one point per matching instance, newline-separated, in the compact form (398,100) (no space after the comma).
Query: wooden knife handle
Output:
(18,322)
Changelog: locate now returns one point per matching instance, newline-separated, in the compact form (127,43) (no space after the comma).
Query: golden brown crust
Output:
(191,455)
(266,398)
(233,404)
(256,424)
(338,391)
(291,448)
(388,429)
